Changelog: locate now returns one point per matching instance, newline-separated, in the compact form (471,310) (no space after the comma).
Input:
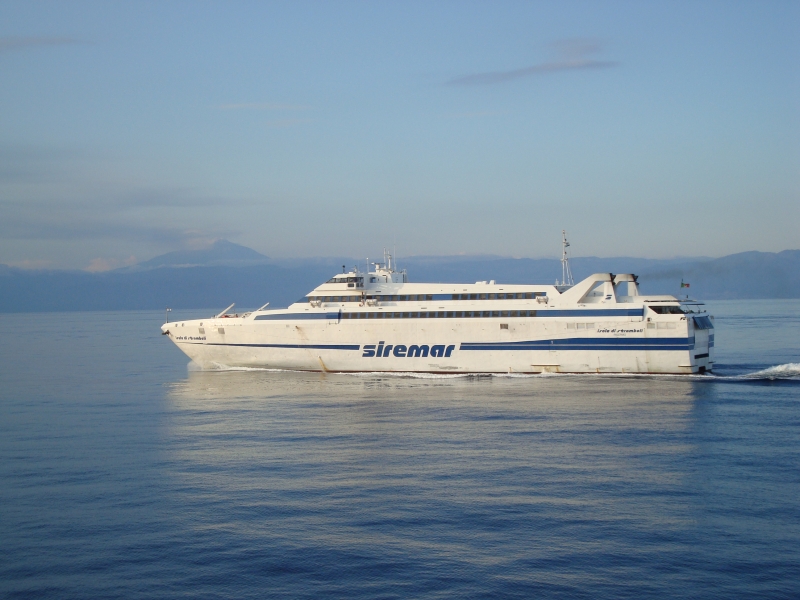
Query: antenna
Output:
(566,272)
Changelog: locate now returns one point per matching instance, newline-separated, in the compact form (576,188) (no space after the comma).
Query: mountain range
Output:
(227,272)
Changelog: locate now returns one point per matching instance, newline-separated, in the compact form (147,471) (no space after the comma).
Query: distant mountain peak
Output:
(220,253)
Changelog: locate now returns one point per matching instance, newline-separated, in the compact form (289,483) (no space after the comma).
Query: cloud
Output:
(570,55)
(261,106)
(31,264)
(18,43)
(62,226)
(98,265)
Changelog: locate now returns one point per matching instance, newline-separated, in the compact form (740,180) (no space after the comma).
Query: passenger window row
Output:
(429,297)
(441,314)
(662,325)
(500,296)
(580,325)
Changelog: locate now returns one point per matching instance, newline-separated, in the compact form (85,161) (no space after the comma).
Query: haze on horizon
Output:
(300,129)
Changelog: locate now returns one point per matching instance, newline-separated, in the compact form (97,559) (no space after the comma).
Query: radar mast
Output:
(566,272)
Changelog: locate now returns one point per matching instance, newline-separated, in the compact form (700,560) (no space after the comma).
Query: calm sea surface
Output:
(125,475)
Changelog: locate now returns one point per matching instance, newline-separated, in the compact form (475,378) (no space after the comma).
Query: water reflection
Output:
(323,443)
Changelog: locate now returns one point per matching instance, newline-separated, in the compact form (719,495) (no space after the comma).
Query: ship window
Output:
(492,296)
(495,313)
(456,297)
(503,325)
(459,314)
(703,323)
(372,280)
(429,297)
(651,325)
(450,314)
(581,325)
(667,310)
(351,285)
(528,295)
(590,326)
(504,313)
(570,325)
(512,313)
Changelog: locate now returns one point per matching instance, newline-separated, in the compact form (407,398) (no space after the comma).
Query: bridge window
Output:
(667,310)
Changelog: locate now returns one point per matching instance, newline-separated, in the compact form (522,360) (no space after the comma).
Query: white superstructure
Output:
(378,321)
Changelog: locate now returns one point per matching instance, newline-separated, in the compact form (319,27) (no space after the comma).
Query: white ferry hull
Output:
(447,346)
(377,321)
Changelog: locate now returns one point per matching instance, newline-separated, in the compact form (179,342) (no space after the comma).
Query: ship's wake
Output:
(788,371)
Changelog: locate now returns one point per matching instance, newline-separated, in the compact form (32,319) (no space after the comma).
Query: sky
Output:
(299,129)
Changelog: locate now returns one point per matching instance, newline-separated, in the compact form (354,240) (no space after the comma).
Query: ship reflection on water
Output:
(476,474)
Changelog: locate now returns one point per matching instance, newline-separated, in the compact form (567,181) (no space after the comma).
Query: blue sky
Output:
(129,129)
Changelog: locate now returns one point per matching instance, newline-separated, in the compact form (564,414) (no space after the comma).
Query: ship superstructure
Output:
(376,320)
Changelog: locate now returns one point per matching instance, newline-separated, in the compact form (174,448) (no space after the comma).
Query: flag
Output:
(684,285)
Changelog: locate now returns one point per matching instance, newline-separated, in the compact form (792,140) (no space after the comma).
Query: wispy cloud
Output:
(261,106)
(31,264)
(100,265)
(18,43)
(570,55)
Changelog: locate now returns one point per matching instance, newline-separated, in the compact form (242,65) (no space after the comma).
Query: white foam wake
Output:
(787,371)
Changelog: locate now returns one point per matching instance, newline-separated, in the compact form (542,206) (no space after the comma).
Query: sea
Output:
(126,473)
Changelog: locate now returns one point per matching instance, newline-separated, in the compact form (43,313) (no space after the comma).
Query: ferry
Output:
(378,321)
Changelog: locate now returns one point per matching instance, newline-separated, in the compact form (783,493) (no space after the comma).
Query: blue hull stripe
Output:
(540,313)
(298,317)
(587,344)
(297,346)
